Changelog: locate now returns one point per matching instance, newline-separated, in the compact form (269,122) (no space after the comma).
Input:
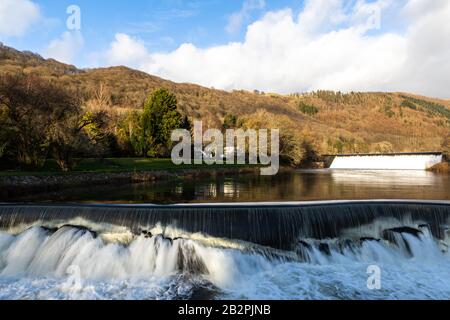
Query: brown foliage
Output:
(353,122)
(32,106)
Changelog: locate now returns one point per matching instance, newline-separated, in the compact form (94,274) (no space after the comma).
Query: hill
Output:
(332,122)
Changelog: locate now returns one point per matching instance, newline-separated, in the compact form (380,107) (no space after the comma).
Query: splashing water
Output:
(82,262)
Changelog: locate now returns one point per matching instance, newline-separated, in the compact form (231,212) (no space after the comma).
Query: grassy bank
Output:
(114,165)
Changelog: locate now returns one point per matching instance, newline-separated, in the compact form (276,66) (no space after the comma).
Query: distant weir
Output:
(276,225)
(394,161)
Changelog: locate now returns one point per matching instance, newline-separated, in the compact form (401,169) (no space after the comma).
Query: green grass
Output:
(115,165)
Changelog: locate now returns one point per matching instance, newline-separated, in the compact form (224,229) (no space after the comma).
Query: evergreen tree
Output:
(159,119)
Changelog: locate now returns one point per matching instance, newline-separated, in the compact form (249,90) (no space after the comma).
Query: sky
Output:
(282,46)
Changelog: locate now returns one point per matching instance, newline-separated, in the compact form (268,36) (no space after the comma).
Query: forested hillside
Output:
(321,122)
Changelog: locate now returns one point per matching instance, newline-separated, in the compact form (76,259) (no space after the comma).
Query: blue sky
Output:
(161,24)
(279,46)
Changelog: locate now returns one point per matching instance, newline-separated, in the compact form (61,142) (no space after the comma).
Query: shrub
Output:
(230,121)
(308,109)
(408,104)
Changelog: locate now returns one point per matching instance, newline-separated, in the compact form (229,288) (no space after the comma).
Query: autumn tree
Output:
(128,133)
(40,118)
(446,146)
(295,147)
(31,105)
(78,134)
(6,132)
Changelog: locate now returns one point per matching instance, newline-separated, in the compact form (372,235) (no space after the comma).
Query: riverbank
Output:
(110,165)
(443,167)
(96,172)
(17,185)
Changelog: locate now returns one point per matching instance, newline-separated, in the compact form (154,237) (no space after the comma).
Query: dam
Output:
(386,161)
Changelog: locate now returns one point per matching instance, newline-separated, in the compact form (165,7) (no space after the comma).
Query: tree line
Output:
(40,120)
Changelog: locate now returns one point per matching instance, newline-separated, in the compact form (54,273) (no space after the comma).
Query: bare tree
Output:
(47,119)
(32,105)
(101,99)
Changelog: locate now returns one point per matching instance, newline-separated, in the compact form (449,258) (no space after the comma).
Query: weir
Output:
(393,161)
(276,225)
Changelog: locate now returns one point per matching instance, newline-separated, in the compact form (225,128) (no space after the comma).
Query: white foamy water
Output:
(72,263)
(386,162)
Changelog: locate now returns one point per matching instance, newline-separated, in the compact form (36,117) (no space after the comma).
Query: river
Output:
(233,251)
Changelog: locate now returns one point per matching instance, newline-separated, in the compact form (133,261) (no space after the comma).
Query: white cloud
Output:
(126,50)
(319,15)
(16,17)
(66,48)
(427,68)
(416,8)
(285,52)
(236,20)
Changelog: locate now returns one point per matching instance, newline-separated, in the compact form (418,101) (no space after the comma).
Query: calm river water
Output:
(302,185)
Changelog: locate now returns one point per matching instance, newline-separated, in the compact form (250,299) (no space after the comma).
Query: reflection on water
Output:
(293,186)
(387,177)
